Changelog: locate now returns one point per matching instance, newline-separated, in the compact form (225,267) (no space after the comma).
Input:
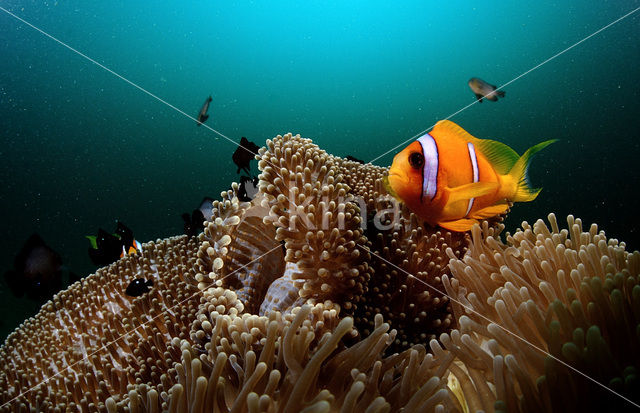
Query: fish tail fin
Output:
(524,192)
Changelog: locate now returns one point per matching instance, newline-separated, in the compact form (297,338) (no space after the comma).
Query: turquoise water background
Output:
(82,148)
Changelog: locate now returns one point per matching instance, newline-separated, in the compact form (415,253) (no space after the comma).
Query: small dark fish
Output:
(107,248)
(37,270)
(244,154)
(193,224)
(202,116)
(248,188)
(125,234)
(351,158)
(138,287)
(483,89)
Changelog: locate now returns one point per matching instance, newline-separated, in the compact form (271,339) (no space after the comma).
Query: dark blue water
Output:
(82,148)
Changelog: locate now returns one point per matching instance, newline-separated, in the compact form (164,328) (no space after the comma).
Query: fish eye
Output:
(416,160)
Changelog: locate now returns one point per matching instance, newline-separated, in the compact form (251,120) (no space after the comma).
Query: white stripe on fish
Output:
(430,171)
(474,165)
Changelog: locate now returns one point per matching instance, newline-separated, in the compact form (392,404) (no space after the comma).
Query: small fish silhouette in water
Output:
(248,188)
(244,154)
(351,158)
(138,287)
(37,270)
(483,89)
(107,248)
(202,116)
(193,224)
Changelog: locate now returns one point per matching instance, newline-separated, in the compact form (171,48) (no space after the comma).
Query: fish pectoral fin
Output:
(491,211)
(479,97)
(468,191)
(459,225)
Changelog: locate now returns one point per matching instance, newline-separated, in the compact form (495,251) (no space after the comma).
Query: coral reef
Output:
(322,294)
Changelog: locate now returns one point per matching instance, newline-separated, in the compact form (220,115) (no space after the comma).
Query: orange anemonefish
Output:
(134,248)
(451,179)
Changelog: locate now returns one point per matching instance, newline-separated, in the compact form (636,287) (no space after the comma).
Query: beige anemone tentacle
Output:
(320,227)
(569,292)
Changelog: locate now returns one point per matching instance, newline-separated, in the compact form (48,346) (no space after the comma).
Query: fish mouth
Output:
(395,174)
(394,177)
(388,185)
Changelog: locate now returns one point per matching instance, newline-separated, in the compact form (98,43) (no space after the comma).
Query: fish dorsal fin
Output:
(449,127)
(499,155)
(472,190)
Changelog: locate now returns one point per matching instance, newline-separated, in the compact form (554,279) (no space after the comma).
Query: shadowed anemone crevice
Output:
(279,306)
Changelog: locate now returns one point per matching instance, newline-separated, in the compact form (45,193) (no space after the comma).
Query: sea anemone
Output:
(551,317)
(323,294)
(92,341)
